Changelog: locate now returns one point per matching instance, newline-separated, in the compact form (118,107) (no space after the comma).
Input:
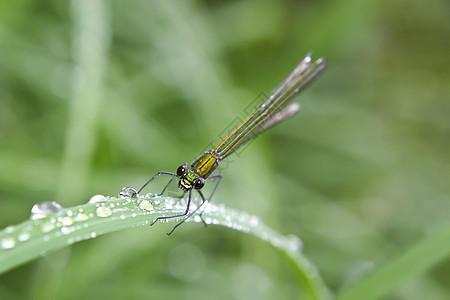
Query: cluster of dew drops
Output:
(50,215)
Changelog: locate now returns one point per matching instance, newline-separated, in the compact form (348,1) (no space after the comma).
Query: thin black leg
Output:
(176,216)
(160,173)
(190,215)
(164,189)
(181,196)
(219,176)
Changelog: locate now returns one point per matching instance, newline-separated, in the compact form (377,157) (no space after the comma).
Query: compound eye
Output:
(199,183)
(181,171)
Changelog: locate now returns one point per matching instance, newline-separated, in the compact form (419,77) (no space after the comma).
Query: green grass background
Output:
(360,174)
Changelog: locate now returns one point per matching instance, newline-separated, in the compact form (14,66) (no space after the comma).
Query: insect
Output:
(272,111)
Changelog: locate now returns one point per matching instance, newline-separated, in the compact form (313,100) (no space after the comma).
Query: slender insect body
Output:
(275,109)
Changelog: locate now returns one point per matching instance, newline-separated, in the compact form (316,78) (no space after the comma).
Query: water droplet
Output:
(207,209)
(179,205)
(254,221)
(148,195)
(103,212)
(8,243)
(97,198)
(66,221)
(197,219)
(24,236)
(47,227)
(81,217)
(93,234)
(127,192)
(169,204)
(10,229)
(243,217)
(294,244)
(146,205)
(67,230)
(276,242)
(264,236)
(43,209)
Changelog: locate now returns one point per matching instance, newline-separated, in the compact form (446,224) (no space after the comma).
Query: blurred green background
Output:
(98,95)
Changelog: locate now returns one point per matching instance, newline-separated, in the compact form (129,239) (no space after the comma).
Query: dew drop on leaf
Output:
(81,217)
(8,243)
(43,209)
(97,198)
(24,236)
(10,229)
(103,212)
(127,192)
(66,221)
(146,205)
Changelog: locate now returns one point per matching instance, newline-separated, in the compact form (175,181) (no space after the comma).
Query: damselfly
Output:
(272,111)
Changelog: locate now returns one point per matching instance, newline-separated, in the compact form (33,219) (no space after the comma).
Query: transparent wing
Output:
(273,110)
